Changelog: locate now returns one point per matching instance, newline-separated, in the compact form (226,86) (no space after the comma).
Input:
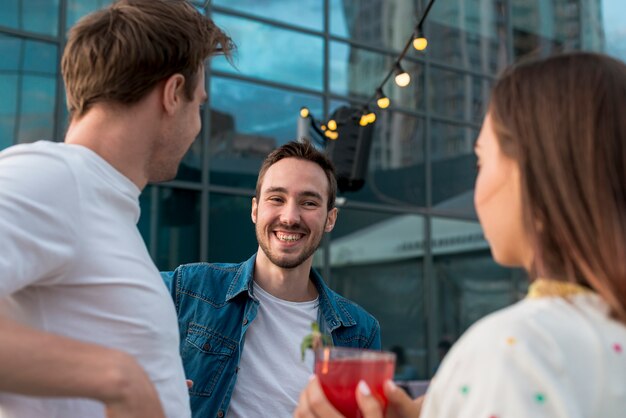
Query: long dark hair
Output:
(563,119)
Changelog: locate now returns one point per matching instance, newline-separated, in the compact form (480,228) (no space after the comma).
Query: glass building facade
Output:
(407,246)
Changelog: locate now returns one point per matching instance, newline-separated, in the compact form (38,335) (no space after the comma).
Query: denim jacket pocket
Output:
(205,355)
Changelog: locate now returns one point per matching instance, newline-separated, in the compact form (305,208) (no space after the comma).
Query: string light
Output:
(381,100)
(332,125)
(419,41)
(402,79)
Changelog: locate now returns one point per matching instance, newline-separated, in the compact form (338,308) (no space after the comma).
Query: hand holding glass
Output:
(340,369)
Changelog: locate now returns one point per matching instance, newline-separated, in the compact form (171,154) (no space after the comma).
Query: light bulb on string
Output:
(332,125)
(419,41)
(304,112)
(402,77)
(381,100)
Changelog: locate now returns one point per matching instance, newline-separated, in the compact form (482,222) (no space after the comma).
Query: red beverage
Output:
(339,371)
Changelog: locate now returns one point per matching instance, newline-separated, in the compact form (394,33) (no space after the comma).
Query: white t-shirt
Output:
(546,357)
(271,371)
(73,263)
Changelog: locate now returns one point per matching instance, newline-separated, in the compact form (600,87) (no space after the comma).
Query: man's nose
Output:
(290,214)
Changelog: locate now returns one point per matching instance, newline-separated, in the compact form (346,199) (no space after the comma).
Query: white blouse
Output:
(546,356)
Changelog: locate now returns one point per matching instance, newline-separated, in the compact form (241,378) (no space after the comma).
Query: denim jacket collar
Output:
(334,314)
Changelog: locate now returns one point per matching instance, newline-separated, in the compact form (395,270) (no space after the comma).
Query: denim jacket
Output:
(215,307)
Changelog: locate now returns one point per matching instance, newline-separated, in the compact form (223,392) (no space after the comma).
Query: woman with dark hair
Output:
(551,198)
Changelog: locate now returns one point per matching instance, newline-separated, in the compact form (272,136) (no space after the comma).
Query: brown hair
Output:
(120,53)
(302,150)
(562,119)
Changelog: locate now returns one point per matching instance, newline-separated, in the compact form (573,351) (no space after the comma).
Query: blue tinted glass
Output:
(8,105)
(36,118)
(9,13)
(230,217)
(273,54)
(305,13)
(472,35)
(453,167)
(247,122)
(41,16)
(79,8)
(178,227)
(383,24)
(357,72)
(458,95)
(10,51)
(395,171)
(40,57)
(613,13)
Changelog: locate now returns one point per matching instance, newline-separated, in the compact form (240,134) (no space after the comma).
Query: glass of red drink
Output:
(339,370)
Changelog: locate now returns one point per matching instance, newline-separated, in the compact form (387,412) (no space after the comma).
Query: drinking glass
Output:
(339,370)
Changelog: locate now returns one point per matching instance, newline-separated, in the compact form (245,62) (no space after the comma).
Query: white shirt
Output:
(73,263)
(546,357)
(271,371)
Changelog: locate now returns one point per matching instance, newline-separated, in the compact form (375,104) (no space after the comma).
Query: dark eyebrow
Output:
(276,190)
(306,193)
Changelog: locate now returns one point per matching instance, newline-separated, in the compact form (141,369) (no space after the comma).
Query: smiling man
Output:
(269,301)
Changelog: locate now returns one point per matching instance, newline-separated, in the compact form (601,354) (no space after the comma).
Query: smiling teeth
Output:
(288,237)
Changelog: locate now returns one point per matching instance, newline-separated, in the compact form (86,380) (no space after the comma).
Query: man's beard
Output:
(287,262)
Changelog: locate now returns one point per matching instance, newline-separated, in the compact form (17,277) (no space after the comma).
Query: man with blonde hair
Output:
(88,328)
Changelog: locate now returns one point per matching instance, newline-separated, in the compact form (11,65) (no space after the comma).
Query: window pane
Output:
(458,95)
(40,57)
(376,258)
(231,231)
(270,53)
(395,169)
(40,16)
(305,13)
(383,24)
(178,227)
(471,285)
(470,34)
(247,122)
(453,167)
(8,106)
(147,213)
(356,72)
(613,13)
(36,118)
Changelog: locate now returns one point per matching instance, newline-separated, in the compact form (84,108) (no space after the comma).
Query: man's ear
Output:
(254,210)
(173,93)
(331,219)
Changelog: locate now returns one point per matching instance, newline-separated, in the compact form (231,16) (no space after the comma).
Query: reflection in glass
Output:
(178,228)
(459,95)
(383,24)
(273,54)
(36,113)
(396,173)
(376,261)
(357,72)
(40,16)
(8,106)
(453,167)
(231,231)
(471,284)
(470,34)
(247,122)
(305,13)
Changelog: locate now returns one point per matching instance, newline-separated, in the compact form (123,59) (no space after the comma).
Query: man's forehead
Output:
(295,176)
